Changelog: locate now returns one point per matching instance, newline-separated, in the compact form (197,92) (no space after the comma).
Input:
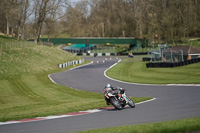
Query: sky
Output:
(74,0)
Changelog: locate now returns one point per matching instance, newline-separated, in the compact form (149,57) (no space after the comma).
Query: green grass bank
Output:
(134,70)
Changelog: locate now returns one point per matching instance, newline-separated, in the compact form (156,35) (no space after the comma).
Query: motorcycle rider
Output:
(109,89)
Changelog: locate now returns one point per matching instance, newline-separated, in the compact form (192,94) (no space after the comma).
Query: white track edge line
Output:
(49,76)
(146,101)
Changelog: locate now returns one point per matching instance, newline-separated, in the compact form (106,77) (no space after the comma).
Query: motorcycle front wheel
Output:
(116,103)
(131,103)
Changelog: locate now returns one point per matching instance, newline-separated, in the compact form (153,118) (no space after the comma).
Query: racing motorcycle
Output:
(118,98)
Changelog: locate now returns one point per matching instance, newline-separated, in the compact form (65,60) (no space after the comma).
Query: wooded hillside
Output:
(168,20)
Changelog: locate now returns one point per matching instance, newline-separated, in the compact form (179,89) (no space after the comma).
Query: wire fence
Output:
(20,46)
(176,56)
(15,45)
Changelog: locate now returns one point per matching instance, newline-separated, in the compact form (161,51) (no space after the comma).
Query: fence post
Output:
(181,54)
(171,56)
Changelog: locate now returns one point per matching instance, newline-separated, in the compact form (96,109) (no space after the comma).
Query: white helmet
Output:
(108,85)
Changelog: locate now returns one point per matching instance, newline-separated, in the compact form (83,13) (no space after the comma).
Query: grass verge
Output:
(135,71)
(191,125)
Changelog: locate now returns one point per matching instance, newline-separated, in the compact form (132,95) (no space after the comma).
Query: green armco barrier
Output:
(93,40)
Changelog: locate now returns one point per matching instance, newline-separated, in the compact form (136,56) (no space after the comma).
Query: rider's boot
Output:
(107,102)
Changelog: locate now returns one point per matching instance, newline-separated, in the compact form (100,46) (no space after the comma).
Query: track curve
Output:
(172,102)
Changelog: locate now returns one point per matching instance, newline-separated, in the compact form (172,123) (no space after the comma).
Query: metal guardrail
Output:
(71,63)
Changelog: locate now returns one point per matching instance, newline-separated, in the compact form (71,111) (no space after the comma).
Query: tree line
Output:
(167,20)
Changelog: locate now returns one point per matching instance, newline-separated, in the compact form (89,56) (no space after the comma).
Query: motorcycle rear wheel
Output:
(116,103)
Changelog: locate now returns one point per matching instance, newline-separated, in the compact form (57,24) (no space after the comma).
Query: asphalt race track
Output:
(172,102)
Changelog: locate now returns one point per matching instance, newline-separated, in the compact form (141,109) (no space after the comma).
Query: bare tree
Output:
(9,10)
(40,14)
(53,15)
(25,16)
